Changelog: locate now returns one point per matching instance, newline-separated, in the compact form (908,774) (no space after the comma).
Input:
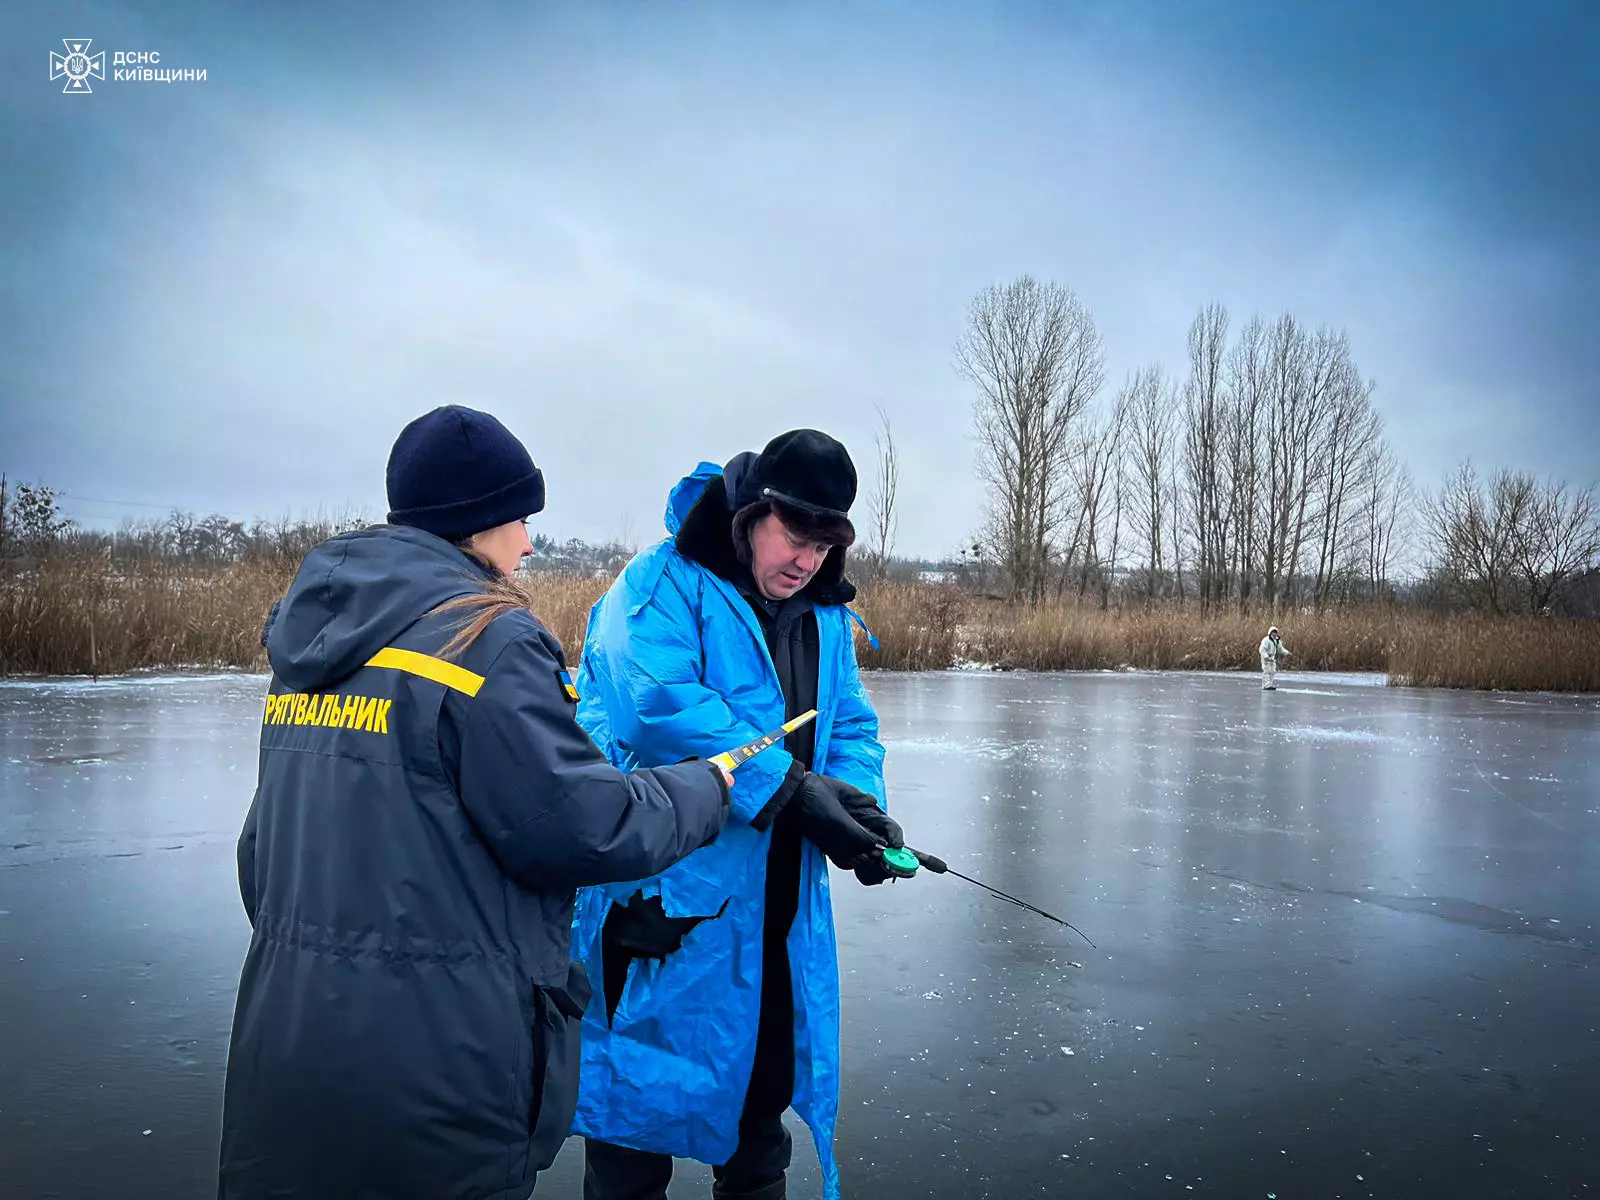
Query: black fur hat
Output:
(807,478)
(803,469)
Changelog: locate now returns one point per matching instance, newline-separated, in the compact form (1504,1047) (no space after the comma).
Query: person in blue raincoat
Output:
(426,807)
(718,1004)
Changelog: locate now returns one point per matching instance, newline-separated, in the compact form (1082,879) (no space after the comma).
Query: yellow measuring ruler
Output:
(729,759)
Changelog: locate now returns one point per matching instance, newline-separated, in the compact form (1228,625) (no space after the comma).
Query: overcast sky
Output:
(649,234)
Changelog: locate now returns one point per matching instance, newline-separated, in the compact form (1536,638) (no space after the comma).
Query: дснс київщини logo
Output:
(132,66)
(77,66)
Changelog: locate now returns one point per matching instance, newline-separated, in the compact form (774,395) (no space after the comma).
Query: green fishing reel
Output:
(902,864)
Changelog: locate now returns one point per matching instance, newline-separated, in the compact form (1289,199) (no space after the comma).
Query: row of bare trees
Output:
(1260,478)
(34,529)
(1293,494)
(1513,544)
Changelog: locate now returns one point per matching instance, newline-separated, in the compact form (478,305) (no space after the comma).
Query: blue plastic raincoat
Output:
(675,665)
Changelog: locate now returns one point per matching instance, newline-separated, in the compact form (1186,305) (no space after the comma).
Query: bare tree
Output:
(1097,492)
(972,568)
(1204,466)
(1177,516)
(1034,354)
(885,488)
(1479,536)
(1284,379)
(1121,487)
(1244,443)
(1352,429)
(36,523)
(1562,541)
(1384,512)
(627,537)
(1150,431)
(1303,421)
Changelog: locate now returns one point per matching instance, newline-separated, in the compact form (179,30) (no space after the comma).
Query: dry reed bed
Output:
(157,615)
(76,617)
(1063,637)
(1522,655)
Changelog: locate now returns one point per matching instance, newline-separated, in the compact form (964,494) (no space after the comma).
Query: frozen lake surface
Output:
(1346,935)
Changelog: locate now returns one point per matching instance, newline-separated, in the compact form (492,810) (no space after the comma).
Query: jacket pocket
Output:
(557,1026)
(639,929)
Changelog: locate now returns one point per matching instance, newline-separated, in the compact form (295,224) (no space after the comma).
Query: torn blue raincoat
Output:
(675,665)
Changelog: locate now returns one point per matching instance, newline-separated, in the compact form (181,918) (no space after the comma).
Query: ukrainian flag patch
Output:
(568,688)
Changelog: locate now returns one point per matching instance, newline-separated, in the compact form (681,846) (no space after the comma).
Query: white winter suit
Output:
(1272,648)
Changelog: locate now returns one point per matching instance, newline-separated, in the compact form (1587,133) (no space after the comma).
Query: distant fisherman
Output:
(1272,649)
(408,1015)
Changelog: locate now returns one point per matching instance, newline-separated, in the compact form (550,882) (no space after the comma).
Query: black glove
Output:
(870,868)
(863,807)
(817,810)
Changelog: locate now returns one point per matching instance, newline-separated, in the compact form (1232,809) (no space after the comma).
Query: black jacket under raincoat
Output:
(408,1013)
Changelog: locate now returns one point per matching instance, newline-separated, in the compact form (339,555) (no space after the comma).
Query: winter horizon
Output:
(701,228)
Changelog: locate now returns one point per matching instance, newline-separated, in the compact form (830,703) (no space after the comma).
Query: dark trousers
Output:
(758,1165)
(756,1169)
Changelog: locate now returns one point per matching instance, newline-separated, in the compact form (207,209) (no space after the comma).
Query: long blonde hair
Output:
(501,594)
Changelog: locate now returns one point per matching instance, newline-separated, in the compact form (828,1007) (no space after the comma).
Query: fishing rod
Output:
(731,760)
(903,865)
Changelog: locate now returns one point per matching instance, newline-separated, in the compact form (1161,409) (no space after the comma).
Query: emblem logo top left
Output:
(78,65)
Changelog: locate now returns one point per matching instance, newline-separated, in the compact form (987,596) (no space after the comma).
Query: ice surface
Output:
(1321,913)
(115,684)
(1323,733)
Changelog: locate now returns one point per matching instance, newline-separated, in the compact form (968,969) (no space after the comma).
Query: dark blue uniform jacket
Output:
(408,1013)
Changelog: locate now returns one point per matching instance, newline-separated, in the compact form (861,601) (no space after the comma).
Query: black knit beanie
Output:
(455,472)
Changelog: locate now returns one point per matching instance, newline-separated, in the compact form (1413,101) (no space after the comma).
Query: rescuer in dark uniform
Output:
(408,1013)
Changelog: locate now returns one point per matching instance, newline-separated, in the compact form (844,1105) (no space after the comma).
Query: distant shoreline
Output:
(1327,677)
(74,620)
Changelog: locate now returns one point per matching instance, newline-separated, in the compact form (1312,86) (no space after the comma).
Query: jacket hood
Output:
(356,593)
(700,518)
(685,492)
